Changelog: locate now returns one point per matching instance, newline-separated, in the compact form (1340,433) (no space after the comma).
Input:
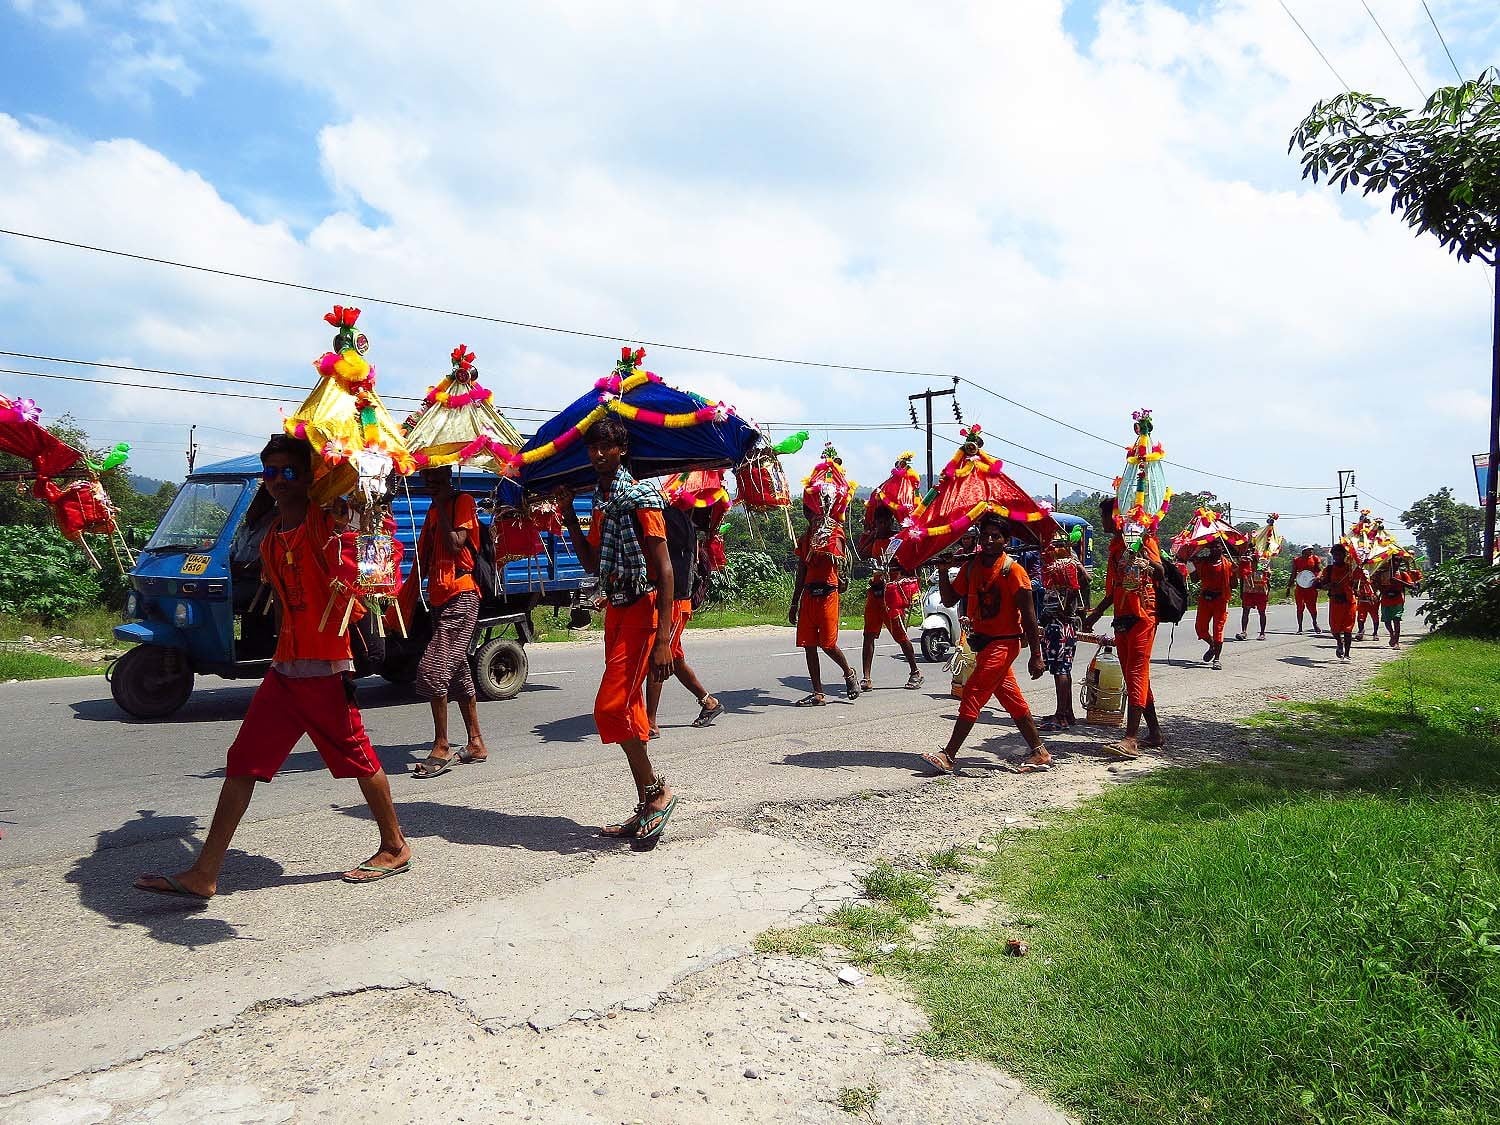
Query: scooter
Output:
(940,629)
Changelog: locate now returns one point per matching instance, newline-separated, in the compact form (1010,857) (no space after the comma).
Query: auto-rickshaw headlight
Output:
(182,616)
(133,606)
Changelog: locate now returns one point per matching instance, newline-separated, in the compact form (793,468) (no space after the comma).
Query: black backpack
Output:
(1171,594)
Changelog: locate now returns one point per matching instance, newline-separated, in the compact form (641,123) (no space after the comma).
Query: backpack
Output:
(486,574)
(1171,594)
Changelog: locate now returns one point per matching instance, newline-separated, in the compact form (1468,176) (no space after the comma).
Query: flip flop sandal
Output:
(1053,726)
(934,759)
(1153,743)
(866,685)
(1120,750)
(469,759)
(433,766)
(1027,767)
(376,873)
(814,700)
(914,681)
(851,689)
(173,889)
(648,838)
(655,732)
(707,715)
(625,830)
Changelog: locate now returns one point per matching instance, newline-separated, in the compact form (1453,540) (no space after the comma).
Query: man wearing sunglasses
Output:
(309,690)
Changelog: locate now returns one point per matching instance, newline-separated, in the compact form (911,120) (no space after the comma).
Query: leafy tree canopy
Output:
(1440,164)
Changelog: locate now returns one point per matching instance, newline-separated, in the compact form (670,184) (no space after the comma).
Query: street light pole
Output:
(927,397)
(1494,470)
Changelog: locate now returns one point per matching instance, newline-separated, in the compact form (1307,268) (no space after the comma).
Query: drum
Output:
(1306,579)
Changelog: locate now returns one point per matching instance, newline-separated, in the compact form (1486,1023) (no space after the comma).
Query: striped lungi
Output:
(444,669)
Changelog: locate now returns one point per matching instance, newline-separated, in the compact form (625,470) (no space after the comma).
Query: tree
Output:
(1441,167)
(1445,527)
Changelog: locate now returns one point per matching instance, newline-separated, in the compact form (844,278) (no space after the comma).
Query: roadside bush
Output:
(749,577)
(44,576)
(1463,598)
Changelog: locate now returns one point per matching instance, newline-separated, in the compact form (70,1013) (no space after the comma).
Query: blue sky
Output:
(1085,207)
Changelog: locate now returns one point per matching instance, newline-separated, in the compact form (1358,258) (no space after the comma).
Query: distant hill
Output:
(147,486)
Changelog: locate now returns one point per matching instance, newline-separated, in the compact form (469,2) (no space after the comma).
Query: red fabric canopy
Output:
(969,483)
(48,455)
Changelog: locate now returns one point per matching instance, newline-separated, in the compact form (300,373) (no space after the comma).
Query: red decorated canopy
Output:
(1207,527)
(972,485)
(23,435)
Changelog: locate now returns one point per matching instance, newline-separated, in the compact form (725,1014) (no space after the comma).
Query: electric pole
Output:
(1346,482)
(927,397)
(192,449)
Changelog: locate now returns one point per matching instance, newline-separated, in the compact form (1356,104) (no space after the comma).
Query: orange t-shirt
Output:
(1129,584)
(301,565)
(1215,577)
(1341,582)
(449,572)
(991,593)
(822,565)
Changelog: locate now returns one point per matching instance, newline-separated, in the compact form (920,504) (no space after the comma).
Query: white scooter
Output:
(939,624)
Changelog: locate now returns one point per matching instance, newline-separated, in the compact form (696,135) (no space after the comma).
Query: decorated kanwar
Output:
(822,574)
(457,426)
(1135,575)
(326,475)
(1255,576)
(79,506)
(892,588)
(974,493)
(1212,548)
(629,420)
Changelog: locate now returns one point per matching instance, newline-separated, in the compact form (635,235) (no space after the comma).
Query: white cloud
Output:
(946,188)
(56,14)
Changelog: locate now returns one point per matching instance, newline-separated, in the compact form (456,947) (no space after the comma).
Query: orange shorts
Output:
(993,675)
(886,610)
(620,706)
(1307,600)
(1211,618)
(1133,647)
(282,710)
(682,613)
(1341,616)
(818,621)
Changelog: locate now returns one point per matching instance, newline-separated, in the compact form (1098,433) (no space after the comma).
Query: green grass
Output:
(16,665)
(1311,938)
(858,1101)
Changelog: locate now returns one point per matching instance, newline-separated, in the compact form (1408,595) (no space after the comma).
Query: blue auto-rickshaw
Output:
(190,608)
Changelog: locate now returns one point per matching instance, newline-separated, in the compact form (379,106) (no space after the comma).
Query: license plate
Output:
(195,564)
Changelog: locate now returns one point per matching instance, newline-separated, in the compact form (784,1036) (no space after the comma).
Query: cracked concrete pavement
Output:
(513,918)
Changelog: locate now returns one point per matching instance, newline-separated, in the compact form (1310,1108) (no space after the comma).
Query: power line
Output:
(791,362)
(1313,44)
(1394,51)
(1444,42)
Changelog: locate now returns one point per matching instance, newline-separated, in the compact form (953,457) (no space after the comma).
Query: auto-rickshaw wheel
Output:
(500,668)
(151,681)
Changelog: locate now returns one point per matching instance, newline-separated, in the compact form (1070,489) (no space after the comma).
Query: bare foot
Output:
(387,861)
(185,884)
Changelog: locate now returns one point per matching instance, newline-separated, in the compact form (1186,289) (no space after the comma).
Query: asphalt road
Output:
(80,775)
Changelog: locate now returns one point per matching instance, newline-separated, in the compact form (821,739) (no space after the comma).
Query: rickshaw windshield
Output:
(197,516)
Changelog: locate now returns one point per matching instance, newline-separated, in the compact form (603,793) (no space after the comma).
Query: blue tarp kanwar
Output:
(655,450)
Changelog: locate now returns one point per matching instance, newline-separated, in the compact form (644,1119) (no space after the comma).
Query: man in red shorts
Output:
(1130,587)
(997,593)
(682,548)
(627,548)
(887,599)
(1215,576)
(815,603)
(1306,569)
(309,689)
(1255,591)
